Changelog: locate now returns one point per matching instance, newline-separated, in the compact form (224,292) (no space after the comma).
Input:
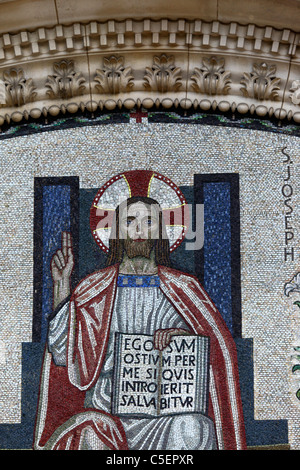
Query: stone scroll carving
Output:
(163,76)
(19,90)
(211,78)
(261,83)
(295,89)
(114,78)
(65,83)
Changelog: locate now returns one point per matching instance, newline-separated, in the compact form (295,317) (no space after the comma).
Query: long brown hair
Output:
(161,245)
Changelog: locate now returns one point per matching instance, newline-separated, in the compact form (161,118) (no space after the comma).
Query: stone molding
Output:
(150,63)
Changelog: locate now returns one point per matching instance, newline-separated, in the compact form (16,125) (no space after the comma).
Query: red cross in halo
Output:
(138,115)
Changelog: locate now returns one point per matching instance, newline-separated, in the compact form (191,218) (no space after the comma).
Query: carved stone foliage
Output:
(163,76)
(295,96)
(261,83)
(211,78)
(19,90)
(65,82)
(114,77)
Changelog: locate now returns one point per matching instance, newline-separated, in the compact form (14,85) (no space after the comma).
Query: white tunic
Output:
(138,310)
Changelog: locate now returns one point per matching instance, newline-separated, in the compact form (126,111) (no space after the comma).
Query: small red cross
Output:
(138,115)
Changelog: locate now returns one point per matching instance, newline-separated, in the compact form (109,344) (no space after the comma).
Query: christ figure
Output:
(77,380)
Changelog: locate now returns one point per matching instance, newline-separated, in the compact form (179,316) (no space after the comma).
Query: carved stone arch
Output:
(183,57)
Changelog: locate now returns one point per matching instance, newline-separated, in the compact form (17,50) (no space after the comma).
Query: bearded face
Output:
(134,248)
(139,228)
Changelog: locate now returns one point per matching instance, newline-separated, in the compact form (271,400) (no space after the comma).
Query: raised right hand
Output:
(62,265)
(62,262)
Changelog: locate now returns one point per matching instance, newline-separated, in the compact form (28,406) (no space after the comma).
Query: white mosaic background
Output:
(177,150)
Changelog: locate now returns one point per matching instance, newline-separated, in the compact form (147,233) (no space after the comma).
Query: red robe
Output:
(62,390)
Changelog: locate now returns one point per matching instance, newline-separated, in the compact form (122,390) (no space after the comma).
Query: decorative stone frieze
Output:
(151,63)
(112,35)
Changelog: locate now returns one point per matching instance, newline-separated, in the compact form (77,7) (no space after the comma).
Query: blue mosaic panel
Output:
(20,435)
(217,247)
(258,432)
(56,218)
